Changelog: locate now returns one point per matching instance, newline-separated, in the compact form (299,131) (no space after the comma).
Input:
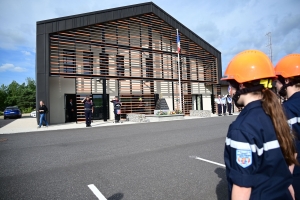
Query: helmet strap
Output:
(282,92)
(239,92)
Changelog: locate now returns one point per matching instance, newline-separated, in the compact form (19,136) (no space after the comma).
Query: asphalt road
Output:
(134,162)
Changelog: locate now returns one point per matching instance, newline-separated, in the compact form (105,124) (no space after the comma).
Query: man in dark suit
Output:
(71,111)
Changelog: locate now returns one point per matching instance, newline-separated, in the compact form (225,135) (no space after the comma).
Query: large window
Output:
(69,61)
(87,62)
(103,59)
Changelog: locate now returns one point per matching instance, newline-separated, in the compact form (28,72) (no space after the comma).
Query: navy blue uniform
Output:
(253,156)
(292,110)
(229,104)
(88,106)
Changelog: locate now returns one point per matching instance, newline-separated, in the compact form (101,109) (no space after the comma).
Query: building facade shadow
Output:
(221,189)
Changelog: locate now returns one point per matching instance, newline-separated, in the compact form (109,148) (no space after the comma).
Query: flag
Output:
(178,42)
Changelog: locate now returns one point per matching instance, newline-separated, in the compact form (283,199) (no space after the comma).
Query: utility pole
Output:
(269,45)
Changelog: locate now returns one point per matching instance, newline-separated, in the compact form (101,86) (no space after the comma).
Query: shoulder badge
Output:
(244,157)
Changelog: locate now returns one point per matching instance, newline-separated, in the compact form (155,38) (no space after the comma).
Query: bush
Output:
(27,110)
(174,112)
(162,113)
(1,113)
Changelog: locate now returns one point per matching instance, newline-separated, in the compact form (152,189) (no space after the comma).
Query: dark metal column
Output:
(104,99)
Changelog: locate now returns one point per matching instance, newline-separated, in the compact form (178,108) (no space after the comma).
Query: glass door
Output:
(98,107)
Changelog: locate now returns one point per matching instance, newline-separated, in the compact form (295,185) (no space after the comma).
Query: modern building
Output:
(130,52)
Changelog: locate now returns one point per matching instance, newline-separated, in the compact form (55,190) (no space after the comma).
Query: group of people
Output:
(89,109)
(262,147)
(224,103)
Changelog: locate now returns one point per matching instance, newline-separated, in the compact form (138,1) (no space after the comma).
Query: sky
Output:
(230,26)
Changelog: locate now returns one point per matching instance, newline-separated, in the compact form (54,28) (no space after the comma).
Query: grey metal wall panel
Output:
(40,53)
(47,73)
(40,29)
(69,24)
(62,25)
(78,22)
(85,20)
(49,27)
(92,19)
(54,26)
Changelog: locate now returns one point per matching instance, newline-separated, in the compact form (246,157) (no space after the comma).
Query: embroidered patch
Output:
(244,157)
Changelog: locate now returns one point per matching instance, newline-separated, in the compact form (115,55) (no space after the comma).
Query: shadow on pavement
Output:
(221,189)
(117,196)
(4,122)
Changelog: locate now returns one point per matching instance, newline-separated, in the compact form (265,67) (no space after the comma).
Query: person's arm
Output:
(83,100)
(240,193)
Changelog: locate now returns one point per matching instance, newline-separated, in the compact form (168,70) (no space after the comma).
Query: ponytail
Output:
(273,108)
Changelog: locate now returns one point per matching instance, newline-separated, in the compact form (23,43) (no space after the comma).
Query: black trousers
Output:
(71,116)
(117,117)
(220,109)
(88,117)
(224,109)
(229,108)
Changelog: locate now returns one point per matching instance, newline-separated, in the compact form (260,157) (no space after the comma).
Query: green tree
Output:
(13,93)
(22,95)
(3,96)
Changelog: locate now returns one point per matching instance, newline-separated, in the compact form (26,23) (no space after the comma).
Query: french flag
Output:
(178,41)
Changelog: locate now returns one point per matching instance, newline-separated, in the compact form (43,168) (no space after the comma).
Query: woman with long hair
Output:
(259,147)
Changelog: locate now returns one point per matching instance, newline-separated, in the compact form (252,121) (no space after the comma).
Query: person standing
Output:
(288,87)
(88,110)
(218,101)
(43,111)
(224,103)
(71,111)
(259,147)
(117,109)
(229,104)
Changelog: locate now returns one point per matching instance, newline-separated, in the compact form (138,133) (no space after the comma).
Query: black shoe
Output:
(220,115)
(230,114)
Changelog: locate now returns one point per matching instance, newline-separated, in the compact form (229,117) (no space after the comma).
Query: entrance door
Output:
(98,107)
(70,116)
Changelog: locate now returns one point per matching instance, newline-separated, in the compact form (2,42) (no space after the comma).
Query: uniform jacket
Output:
(292,110)
(253,156)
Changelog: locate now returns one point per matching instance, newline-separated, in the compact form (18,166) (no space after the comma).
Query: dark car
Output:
(12,111)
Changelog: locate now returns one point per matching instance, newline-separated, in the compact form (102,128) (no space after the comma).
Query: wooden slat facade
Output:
(138,50)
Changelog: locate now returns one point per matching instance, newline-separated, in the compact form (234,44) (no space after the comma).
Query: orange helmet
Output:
(288,66)
(249,65)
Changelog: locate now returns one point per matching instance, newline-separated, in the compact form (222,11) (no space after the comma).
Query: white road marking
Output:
(198,158)
(95,190)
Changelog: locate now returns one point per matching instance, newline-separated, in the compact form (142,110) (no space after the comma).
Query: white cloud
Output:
(11,67)
(26,53)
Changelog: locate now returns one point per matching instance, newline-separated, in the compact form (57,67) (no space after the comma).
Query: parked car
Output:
(12,111)
(33,113)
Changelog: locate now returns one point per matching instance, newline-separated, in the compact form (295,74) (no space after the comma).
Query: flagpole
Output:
(179,79)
